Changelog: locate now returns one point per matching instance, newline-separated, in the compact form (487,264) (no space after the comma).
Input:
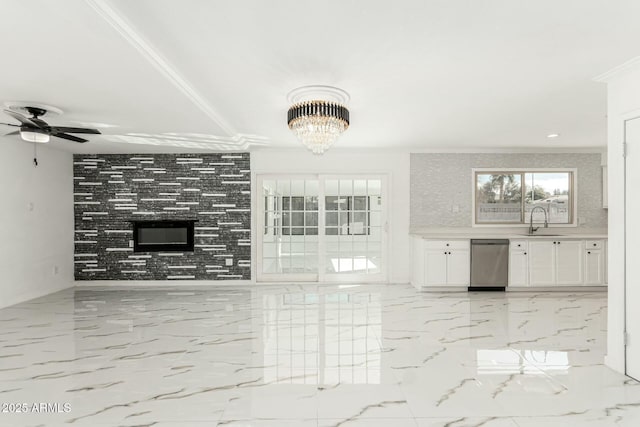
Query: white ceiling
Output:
(161,75)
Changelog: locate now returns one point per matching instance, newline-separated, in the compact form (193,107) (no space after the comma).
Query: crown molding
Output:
(614,72)
(155,58)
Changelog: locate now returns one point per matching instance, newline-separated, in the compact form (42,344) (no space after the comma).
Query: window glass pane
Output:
(297,203)
(311,203)
(358,223)
(360,187)
(331,219)
(311,219)
(498,198)
(346,187)
(283,187)
(297,231)
(286,203)
(550,192)
(374,187)
(331,187)
(311,231)
(331,231)
(359,203)
(297,219)
(375,218)
(331,203)
(375,203)
(344,219)
(286,218)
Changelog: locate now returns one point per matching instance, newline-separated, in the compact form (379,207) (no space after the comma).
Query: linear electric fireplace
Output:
(163,236)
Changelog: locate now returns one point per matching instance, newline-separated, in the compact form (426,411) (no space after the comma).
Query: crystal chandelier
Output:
(318,116)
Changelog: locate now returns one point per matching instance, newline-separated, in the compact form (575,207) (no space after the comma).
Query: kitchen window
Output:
(507,197)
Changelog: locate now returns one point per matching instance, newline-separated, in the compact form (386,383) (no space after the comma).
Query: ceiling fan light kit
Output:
(34,129)
(318,116)
(34,136)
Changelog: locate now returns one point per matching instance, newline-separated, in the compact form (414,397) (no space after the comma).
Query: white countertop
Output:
(509,233)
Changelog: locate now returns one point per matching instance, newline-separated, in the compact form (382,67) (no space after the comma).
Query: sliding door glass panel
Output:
(315,229)
(290,239)
(353,226)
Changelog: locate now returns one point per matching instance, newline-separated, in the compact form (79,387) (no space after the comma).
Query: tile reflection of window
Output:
(290,338)
(531,362)
(353,323)
(322,339)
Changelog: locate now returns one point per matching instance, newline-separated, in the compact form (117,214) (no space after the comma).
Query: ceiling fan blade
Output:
(22,119)
(10,124)
(39,122)
(17,132)
(69,137)
(56,129)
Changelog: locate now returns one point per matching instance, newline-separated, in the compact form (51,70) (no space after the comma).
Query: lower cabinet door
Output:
(518,269)
(594,268)
(435,267)
(569,258)
(542,263)
(458,268)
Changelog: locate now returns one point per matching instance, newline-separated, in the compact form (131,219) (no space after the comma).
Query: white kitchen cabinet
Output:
(458,267)
(435,267)
(442,263)
(594,263)
(518,268)
(568,259)
(556,263)
(542,264)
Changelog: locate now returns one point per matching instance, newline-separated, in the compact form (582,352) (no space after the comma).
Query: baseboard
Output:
(158,283)
(558,289)
(32,295)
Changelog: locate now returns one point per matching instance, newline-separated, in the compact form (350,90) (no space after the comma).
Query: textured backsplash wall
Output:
(442,181)
(111,190)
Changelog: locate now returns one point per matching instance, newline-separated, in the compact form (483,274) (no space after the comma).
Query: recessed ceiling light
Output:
(553,135)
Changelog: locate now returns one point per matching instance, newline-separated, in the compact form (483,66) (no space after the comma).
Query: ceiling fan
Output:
(34,129)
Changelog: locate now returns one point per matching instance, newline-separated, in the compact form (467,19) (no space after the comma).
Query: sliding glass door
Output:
(321,228)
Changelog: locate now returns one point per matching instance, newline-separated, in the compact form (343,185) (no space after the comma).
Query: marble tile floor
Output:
(321,356)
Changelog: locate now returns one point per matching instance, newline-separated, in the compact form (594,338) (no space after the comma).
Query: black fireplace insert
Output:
(163,236)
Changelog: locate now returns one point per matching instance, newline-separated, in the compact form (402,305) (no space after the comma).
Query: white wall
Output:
(623,102)
(34,241)
(395,164)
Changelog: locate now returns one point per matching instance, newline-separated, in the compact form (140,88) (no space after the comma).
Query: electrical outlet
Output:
(228,261)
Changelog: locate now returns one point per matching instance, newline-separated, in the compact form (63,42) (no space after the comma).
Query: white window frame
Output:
(574,196)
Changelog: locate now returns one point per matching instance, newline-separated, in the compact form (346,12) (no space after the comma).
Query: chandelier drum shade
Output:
(318,116)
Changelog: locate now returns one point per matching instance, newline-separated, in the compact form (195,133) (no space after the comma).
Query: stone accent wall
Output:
(112,190)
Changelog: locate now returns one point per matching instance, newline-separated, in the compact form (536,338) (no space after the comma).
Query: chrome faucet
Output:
(546,224)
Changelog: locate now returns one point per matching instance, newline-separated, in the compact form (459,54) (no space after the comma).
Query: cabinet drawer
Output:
(593,244)
(447,244)
(518,245)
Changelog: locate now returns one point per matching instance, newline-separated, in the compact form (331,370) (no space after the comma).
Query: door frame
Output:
(322,276)
(633,116)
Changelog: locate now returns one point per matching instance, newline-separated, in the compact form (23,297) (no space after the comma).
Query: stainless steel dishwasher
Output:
(489,264)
